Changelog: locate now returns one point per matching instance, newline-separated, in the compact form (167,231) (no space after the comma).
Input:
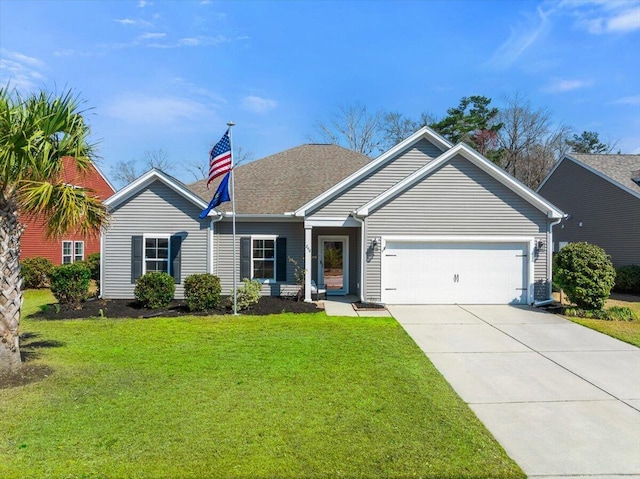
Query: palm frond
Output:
(66,208)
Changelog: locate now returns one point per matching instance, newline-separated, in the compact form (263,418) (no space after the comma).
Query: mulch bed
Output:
(359,306)
(126,308)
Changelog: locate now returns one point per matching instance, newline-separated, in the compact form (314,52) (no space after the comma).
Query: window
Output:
(67,256)
(72,251)
(78,251)
(156,254)
(263,258)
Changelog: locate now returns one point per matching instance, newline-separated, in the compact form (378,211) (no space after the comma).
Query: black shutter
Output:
(281,259)
(245,258)
(136,258)
(176,257)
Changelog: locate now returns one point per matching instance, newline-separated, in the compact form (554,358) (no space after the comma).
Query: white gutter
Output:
(362,254)
(101,263)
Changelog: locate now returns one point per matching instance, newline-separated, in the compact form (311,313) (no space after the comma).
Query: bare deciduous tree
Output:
(124,172)
(353,127)
(529,143)
(395,127)
(200,170)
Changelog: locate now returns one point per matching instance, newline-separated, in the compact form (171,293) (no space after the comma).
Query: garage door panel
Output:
(459,273)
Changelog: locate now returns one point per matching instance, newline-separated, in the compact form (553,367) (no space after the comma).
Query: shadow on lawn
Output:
(29,346)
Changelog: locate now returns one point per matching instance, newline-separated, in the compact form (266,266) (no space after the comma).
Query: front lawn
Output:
(627,331)
(253,396)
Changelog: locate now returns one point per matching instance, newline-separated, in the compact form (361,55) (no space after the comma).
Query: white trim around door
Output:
(322,239)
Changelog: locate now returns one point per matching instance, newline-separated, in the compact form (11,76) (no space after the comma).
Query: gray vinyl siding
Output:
(155,210)
(609,215)
(457,199)
(379,180)
(223,252)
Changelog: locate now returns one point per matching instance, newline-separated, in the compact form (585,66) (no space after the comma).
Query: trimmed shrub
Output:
(621,313)
(154,289)
(614,313)
(585,273)
(70,283)
(628,279)
(93,263)
(249,294)
(202,291)
(35,272)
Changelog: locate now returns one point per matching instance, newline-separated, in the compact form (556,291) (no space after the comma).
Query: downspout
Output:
(101,263)
(549,300)
(362,254)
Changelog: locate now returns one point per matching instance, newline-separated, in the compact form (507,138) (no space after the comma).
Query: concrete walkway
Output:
(563,400)
(342,306)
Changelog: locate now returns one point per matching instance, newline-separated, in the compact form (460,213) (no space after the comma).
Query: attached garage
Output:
(456,272)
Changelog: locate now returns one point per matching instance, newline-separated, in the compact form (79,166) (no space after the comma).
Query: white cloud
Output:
(144,3)
(604,16)
(67,52)
(21,71)
(258,104)
(521,38)
(202,41)
(626,21)
(628,100)
(125,21)
(560,86)
(151,35)
(146,109)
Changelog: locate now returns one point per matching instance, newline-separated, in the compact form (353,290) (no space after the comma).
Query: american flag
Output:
(220,158)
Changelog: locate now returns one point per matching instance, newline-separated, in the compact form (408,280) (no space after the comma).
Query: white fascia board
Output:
(456,239)
(346,221)
(591,170)
(265,217)
(424,132)
(144,181)
(103,177)
(478,160)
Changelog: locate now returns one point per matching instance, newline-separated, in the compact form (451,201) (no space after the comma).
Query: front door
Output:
(333,263)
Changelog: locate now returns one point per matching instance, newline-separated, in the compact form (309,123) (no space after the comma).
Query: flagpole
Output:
(233,209)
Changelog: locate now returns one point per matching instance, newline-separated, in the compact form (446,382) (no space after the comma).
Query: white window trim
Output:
(71,255)
(74,251)
(275,256)
(144,250)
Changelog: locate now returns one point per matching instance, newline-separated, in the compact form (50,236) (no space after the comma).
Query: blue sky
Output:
(169,75)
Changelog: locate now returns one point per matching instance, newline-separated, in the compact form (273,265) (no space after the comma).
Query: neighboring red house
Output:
(70,247)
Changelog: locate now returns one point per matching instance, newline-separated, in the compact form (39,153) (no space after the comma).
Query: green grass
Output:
(34,299)
(627,331)
(279,396)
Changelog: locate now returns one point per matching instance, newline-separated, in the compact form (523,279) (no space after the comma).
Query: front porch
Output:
(332,257)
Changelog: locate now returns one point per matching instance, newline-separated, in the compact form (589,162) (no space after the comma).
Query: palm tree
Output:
(36,132)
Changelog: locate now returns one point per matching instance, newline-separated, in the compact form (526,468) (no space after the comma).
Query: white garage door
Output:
(454,273)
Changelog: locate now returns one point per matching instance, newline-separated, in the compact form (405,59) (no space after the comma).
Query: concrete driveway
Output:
(563,400)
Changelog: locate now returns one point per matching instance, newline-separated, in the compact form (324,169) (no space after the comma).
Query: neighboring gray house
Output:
(601,196)
(424,223)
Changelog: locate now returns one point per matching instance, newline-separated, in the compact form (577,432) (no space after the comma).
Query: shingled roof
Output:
(285,181)
(620,168)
